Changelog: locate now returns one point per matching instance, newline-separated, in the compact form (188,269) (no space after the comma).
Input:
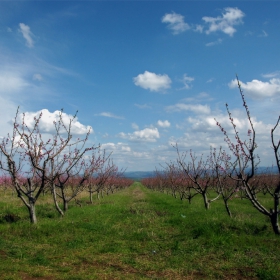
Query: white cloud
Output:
(175,22)
(198,28)
(186,81)
(210,80)
(126,148)
(118,147)
(165,123)
(9,29)
(12,82)
(259,89)
(135,126)
(46,123)
(109,115)
(230,17)
(146,135)
(271,75)
(8,111)
(219,41)
(26,33)
(198,109)
(152,81)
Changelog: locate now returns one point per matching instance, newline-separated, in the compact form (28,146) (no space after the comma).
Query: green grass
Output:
(138,234)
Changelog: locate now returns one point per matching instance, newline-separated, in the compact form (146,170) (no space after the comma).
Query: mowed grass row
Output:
(138,234)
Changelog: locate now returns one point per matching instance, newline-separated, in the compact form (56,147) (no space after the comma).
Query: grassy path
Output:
(138,234)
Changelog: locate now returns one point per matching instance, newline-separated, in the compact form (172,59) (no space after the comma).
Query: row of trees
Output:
(32,165)
(227,173)
(198,177)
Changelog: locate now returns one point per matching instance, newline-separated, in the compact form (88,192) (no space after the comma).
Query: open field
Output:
(137,234)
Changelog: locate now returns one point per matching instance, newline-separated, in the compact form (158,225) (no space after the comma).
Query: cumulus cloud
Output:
(230,17)
(198,108)
(46,123)
(116,147)
(259,89)
(202,132)
(208,123)
(152,81)
(26,33)
(146,135)
(164,124)
(126,148)
(175,22)
(109,115)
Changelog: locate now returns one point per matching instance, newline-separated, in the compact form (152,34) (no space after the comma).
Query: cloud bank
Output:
(259,89)
(146,135)
(47,122)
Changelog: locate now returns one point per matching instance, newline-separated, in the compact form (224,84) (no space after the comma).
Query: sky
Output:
(143,75)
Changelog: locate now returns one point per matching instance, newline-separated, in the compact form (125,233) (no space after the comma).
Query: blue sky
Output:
(143,74)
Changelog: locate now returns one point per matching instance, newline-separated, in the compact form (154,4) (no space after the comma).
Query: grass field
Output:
(137,234)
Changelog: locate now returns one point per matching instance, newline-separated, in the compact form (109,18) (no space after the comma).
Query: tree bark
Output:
(274,222)
(205,200)
(56,203)
(227,208)
(32,212)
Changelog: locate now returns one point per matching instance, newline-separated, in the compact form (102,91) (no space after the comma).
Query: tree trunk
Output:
(275,213)
(90,197)
(274,222)
(227,208)
(32,212)
(65,205)
(56,203)
(205,200)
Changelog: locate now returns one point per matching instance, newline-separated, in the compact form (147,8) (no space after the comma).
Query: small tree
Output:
(28,158)
(200,172)
(70,173)
(223,168)
(247,162)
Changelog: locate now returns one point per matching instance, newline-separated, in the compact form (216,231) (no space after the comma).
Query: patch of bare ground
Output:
(3,254)
(138,195)
(117,270)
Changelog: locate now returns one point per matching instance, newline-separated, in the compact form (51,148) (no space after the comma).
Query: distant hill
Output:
(262,169)
(139,175)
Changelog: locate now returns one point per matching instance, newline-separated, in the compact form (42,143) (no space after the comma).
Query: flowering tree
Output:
(222,170)
(29,159)
(246,161)
(70,173)
(200,172)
